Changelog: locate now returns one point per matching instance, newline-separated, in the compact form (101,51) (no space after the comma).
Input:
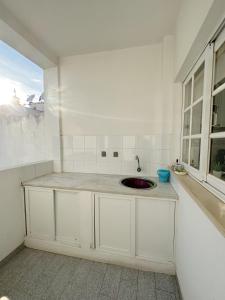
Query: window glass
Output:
(195,153)
(197,118)
(187,98)
(220,67)
(217,158)
(186,127)
(218,114)
(198,83)
(185,151)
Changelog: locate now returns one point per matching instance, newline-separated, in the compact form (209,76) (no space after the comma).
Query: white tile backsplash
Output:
(67,141)
(78,142)
(83,154)
(129,142)
(90,141)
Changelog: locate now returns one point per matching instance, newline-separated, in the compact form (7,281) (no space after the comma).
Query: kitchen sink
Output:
(138,183)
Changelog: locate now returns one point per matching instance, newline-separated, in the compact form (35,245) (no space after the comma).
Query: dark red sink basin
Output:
(138,183)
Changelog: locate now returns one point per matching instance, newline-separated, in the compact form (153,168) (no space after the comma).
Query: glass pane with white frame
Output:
(187,97)
(217,158)
(198,83)
(218,112)
(185,150)
(219,77)
(195,153)
(196,127)
(186,125)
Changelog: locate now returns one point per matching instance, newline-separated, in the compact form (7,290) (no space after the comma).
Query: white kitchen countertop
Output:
(102,183)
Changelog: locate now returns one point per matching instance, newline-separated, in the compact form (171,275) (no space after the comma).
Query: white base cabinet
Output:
(155,229)
(40,213)
(129,230)
(67,215)
(115,224)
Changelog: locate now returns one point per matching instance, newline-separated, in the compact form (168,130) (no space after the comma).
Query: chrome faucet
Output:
(138,168)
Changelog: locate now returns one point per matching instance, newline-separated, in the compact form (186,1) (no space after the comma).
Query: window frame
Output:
(213,180)
(195,172)
(208,57)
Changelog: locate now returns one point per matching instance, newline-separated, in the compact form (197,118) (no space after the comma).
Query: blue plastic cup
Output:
(164,175)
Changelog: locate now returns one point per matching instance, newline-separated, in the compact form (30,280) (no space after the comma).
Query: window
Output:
(21,81)
(203,130)
(192,117)
(22,122)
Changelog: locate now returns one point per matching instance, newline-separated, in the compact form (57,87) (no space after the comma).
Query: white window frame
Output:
(199,174)
(212,183)
(215,182)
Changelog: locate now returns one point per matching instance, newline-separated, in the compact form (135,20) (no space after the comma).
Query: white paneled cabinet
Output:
(115,223)
(135,230)
(67,215)
(40,213)
(155,229)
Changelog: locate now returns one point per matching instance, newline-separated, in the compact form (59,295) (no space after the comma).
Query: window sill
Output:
(211,205)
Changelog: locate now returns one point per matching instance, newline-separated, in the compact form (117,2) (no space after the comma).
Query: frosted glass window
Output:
(187,98)
(195,153)
(218,114)
(217,158)
(197,118)
(186,127)
(198,83)
(185,151)
(219,78)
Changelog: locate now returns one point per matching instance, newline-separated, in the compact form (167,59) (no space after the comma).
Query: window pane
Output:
(220,67)
(185,150)
(218,115)
(187,98)
(217,158)
(197,118)
(186,127)
(195,153)
(198,83)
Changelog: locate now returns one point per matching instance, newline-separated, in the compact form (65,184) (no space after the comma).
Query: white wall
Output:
(196,24)
(111,97)
(12,219)
(200,251)
(191,17)
(52,117)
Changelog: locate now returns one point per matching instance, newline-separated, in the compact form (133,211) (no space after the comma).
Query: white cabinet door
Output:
(114,223)
(74,218)
(40,213)
(155,229)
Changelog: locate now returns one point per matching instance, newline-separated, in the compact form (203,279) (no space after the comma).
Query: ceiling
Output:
(68,27)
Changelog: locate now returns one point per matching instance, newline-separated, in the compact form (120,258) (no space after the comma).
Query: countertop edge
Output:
(168,198)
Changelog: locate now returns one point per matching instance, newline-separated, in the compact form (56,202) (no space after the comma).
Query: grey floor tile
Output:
(129,274)
(99,267)
(94,284)
(146,280)
(102,297)
(38,275)
(146,286)
(77,287)
(162,295)
(61,281)
(146,295)
(165,282)
(110,285)
(127,290)
(18,267)
(19,295)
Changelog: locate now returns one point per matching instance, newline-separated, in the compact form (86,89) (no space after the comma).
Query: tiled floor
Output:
(33,274)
